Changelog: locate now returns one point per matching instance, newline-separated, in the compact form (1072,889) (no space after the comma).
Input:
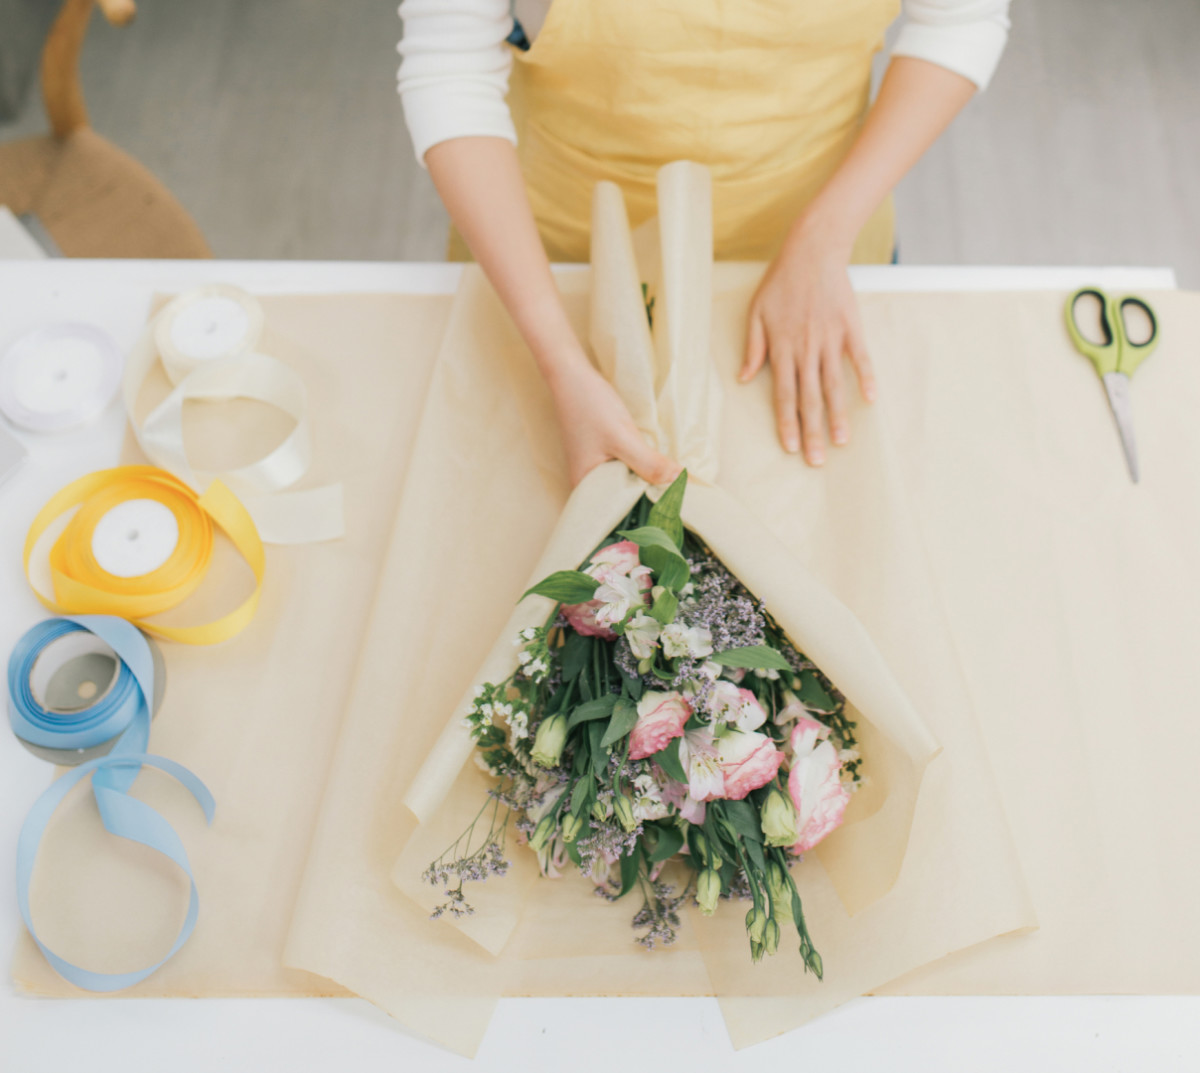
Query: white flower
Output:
(737,707)
(527,634)
(699,642)
(680,640)
(642,633)
(616,596)
(711,669)
(524,657)
(647,800)
(699,757)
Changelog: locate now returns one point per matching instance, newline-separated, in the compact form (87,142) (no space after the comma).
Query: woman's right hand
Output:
(596,426)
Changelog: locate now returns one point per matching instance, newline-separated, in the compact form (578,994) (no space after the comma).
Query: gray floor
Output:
(277,124)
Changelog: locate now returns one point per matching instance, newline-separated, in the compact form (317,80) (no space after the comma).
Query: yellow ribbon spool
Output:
(82,586)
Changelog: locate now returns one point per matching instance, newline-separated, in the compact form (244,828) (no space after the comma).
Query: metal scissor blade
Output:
(1117,386)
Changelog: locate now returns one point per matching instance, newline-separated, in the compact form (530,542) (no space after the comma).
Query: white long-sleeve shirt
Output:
(455,62)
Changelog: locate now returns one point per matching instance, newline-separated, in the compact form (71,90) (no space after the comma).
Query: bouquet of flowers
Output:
(660,720)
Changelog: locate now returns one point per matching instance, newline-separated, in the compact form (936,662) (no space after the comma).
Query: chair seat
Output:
(95,200)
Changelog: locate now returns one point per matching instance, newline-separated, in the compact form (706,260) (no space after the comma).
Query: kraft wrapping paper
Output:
(1040,613)
(481,520)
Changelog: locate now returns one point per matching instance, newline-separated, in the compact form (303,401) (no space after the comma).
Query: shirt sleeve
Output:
(964,36)
(454,69)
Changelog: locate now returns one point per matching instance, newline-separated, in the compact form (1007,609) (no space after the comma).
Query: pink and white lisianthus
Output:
(815,784)
(660,721)
(748,760)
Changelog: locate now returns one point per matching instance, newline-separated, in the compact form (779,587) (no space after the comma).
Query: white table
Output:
(927,1034)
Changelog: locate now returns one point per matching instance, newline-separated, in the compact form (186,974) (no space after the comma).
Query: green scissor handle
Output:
(1116,354)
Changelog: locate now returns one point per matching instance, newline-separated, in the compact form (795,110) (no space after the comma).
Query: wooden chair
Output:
(93,199)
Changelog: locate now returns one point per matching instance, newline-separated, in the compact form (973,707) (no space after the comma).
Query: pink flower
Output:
(748,760)
(621,558)
(582,619)
(660,721)
(815,784)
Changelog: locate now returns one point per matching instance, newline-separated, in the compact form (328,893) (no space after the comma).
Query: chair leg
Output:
(62,92)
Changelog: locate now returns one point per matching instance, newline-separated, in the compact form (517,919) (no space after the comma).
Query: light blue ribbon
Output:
(124,710)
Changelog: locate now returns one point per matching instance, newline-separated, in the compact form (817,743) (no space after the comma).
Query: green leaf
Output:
(814,695)
(599,753)
(575,652)
(753,657)
(665,607)
(630,687)
(629,870)
(566,586)
(658,551)
(670,841)
(744,818)
(582,791)
(665,513)
(668,760)
(624,718)
(573,853)
(593,709)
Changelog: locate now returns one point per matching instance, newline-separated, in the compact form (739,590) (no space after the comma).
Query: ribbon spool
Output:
(140,544)
(77,684)
(119,720)
(207,340)
(58,377)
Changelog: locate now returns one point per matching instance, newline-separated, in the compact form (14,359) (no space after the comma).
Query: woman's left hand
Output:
(803,319)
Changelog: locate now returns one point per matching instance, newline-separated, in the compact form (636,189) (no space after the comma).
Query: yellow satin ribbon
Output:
(82,586)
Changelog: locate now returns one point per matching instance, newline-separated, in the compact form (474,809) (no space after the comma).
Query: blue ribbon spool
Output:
(116,659)
(118,723)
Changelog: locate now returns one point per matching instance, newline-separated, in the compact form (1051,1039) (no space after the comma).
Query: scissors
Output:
(1116,357)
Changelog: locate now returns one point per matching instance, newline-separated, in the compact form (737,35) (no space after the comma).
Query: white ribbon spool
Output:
(206,339)
(135,538)
(58,377)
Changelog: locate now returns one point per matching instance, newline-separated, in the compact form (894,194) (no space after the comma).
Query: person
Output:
(772,95)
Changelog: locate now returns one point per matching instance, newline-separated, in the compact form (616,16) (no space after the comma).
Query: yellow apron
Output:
(769,94)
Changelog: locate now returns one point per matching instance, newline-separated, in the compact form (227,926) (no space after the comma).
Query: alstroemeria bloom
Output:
(660,721)
(698,755)
(815,784)
(680,640)
(616,596)
(737,707)
(748,761)
(642,633)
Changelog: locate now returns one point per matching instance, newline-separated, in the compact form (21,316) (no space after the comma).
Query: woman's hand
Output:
(803,318)
(596,426)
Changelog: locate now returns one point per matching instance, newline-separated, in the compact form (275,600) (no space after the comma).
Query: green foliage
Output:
(753,657)
(668,760)
(566,586)
(664,514)
(624,718)
(599,708)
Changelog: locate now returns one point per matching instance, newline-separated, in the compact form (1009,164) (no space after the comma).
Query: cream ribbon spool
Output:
(58,377)
(207,341)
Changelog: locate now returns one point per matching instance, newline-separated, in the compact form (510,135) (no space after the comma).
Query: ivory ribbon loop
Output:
(215,359)
(82,586)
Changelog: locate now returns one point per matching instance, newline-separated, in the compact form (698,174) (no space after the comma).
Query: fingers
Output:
(647,463)
(812,423)
(856,347)
(835,395)
(783,373)
(756,349)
